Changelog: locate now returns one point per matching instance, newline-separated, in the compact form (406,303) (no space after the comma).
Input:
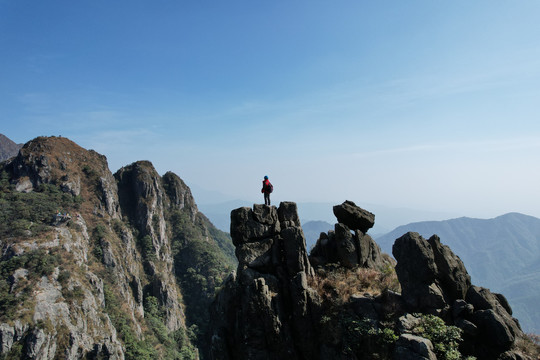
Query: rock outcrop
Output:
(266,309)
(347,248)
(270,307)
(435,281)
(354,217)
(279,305)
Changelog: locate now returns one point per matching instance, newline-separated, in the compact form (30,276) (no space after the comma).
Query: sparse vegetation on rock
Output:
(348,302)
(88,260)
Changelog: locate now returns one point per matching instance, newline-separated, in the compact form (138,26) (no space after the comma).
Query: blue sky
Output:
(424,104)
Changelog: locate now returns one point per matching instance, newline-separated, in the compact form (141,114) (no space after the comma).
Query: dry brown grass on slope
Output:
(338,283)
(530,345)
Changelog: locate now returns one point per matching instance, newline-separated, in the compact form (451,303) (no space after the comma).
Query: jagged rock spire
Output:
(270,286)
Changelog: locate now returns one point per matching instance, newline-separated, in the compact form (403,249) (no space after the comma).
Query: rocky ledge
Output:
(271,308)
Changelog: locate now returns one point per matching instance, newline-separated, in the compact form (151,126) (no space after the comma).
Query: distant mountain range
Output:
(312,230)
(502,254)
(8,148)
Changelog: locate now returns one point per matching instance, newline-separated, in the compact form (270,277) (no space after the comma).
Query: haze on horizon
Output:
(419,104)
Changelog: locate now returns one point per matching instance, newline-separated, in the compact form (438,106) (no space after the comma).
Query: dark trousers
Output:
(266,198)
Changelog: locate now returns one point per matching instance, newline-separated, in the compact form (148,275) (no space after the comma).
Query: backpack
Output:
(269,188)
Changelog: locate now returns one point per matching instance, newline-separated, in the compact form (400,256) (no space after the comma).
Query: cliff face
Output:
(346,302)
(89,261)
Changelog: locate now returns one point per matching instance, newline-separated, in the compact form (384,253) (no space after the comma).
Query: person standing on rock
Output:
(267,189)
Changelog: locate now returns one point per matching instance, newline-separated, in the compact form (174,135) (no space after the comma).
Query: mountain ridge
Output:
(97,265)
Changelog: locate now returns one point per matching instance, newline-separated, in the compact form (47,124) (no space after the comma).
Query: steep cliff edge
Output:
(92,265)
(345,303)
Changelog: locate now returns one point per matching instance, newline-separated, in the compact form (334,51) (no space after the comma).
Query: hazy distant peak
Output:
(8,148)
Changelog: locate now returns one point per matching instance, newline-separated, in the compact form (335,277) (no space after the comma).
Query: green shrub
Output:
(147,248)
(203,257)
(361,335)
(15,353)
(77,293)
(135,349)
(99,233)
(28,214)
(63,277)
(445,338)
(158,341)
(38,263)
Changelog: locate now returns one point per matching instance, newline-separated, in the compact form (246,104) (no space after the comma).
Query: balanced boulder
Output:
(354,217)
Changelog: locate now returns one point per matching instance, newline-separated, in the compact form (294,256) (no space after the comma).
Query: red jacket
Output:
(266,186)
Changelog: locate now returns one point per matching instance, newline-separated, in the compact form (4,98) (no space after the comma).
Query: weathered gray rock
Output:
(40,345)
(266,311)
(417,273)
(64,315)
(344,247)
(8,148)
(412,347)
(10,334)
(431,275)
(145,199)
(496,325)
(369,252)
(256,255)
(325,250)
(354,217)
(469,329)
(179,194)
(483,299)
(462,309)
(493,329)
(345,250)
(450,269)
(294,251)
(288,214)
(71,185)
(264,214)
(408,322)
(245,227)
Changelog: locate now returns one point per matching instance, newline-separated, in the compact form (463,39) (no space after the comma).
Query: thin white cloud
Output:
(495,145)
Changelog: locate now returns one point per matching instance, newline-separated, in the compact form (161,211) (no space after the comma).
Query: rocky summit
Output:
(283,304)
(266,309)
